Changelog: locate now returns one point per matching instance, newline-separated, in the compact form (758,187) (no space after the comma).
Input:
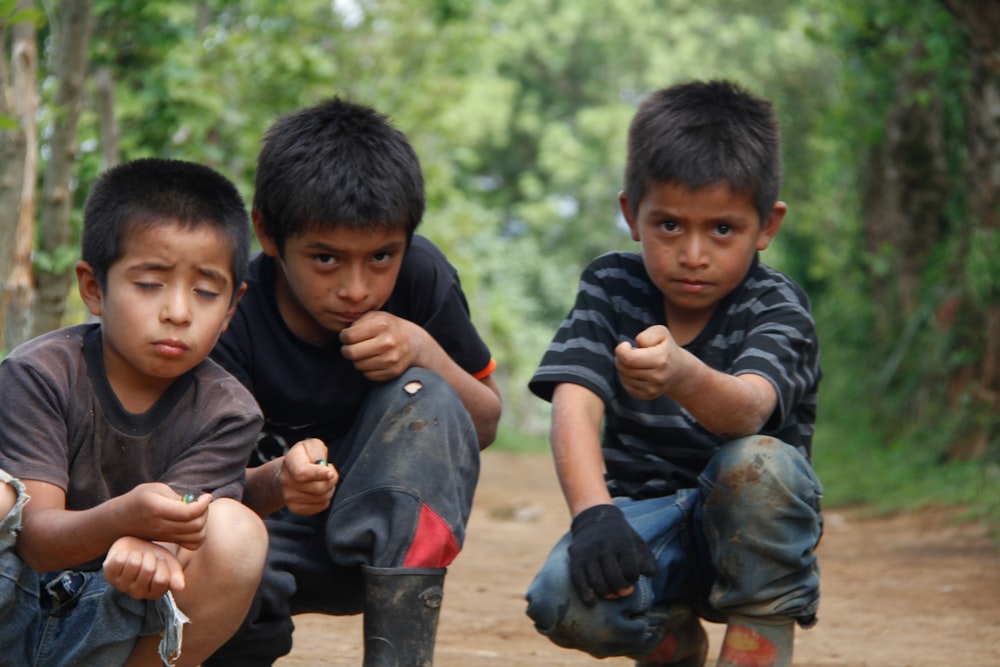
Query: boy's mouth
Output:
(170,347)
(690,285)
(350,317)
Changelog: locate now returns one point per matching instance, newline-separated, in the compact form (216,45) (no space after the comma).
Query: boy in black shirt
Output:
(356,339)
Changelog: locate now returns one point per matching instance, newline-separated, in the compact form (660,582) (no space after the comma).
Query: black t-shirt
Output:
(307,391)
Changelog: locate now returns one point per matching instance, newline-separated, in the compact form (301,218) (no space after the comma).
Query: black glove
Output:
(606,555)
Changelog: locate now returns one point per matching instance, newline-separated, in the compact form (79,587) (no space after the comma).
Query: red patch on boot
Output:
(746,648)
(433,543)
(665,652)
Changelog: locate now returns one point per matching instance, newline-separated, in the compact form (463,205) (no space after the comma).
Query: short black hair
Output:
(704,133)
(336,163)
(153,191)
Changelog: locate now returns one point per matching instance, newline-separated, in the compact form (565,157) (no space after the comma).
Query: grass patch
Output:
(899,476)
(511,440)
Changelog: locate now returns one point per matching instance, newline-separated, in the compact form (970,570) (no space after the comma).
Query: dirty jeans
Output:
(743,542)
(68,619)
(403,501)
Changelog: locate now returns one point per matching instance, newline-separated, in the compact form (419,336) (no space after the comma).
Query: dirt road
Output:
(919,590)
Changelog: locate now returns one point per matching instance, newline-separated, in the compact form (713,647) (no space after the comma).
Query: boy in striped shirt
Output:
(683,386)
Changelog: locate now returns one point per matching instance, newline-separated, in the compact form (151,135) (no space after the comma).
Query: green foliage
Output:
(859,466)
(10,14)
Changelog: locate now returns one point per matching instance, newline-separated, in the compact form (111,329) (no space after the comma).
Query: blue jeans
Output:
(403,501)
(69,619)
(743,543)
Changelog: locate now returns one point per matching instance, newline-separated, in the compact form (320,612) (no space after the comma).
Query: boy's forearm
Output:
(262,491)
(729,406)
(576,447)
(56,539)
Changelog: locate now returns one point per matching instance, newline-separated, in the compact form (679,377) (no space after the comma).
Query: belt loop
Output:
(64,588)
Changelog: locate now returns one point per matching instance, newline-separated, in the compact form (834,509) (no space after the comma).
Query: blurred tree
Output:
(56,252)
(980,316)
(18,166)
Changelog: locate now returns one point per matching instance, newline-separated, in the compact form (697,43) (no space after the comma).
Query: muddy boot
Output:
(401,615)
(757,642)
(685,643)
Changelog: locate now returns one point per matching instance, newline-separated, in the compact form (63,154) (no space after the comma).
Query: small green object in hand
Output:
(321,462)
(189,498)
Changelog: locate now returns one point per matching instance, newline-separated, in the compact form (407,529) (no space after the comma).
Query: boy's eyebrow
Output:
(669,212)
(326,247)
(212,274)
(208,272)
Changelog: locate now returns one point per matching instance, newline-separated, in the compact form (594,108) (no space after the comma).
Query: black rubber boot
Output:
(401,615)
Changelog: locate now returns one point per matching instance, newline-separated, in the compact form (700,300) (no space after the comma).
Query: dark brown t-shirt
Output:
(60,422)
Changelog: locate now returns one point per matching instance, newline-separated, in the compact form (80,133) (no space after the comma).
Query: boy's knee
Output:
(237,539)
(761,467)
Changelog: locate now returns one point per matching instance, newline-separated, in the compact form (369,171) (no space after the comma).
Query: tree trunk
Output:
(71,38)
(11,158)
(105,98)
(20,165)
(981,319)
(906,186)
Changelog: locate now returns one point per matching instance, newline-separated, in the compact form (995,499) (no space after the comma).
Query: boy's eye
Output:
(147,286)
(324,259)
(724,230)
(669,225)
(207,293)
(382,257)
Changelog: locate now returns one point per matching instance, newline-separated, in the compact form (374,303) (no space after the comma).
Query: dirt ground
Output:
(918,590)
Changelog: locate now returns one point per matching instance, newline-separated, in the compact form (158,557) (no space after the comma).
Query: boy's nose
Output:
(693,251)
(354,287)
(176,308)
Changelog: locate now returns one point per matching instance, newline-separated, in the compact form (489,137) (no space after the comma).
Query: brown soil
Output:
(914,590)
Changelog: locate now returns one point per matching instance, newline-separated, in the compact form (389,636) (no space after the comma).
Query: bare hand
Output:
(307,480)
(142,569)
(647,370)
(382,346)
(155,512)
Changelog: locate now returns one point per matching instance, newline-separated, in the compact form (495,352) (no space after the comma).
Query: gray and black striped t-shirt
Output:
(652,448)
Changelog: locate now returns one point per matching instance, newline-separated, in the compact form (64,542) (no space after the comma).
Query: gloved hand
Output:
(606,555)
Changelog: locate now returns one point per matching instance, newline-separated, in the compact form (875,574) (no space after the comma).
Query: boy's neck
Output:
(686,325)
(136,392)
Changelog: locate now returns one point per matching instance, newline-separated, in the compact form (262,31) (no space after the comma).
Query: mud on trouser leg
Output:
(406,490)
(635,625)
(762,522)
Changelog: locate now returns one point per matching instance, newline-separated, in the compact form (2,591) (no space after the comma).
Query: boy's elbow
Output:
(486,437)
(487,426)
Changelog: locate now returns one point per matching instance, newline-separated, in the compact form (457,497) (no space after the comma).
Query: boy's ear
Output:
(267,244)
(232,306)
(90,290)
(627,212)
(772,225)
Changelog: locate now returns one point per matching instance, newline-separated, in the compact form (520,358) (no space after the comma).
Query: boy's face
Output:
(329,278)
(164,304)
(697,245)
